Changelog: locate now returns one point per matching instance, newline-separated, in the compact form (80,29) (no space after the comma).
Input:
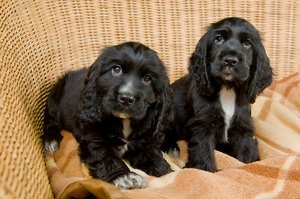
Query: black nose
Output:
(230,61)
(126,99)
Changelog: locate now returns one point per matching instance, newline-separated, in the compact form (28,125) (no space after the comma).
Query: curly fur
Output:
(93,103)
(229,56)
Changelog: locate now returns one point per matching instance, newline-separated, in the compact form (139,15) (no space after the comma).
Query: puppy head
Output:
(126,81)
(231,54)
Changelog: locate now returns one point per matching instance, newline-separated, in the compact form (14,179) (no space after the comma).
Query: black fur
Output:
(230,55)
(126,81)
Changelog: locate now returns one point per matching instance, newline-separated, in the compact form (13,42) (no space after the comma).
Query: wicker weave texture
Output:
(40,40)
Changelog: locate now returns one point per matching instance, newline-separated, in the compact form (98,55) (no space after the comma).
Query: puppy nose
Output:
(230,61)
(126,99)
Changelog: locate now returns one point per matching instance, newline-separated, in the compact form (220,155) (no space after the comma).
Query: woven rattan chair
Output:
(40,40)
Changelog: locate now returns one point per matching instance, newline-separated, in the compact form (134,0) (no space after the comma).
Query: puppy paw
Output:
(130,181)
(51,146)
(174,152)
(211,168)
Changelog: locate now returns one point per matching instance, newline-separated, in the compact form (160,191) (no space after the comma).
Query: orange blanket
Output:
(276,115)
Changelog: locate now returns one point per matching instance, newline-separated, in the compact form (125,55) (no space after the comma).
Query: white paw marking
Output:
(227,99)
(130,181)
(51,146)
(173,152)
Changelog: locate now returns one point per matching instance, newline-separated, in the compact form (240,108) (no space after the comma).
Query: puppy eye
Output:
(219,39)
(247,43)
(116,70)
(147,79)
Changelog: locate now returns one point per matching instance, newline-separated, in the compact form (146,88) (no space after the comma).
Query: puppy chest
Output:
(126,128)
(121,150)
(227,100)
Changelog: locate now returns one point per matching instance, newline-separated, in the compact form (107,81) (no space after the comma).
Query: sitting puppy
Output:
(228,69)
(118,108)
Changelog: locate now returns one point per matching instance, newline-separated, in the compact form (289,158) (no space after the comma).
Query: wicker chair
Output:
(40,40)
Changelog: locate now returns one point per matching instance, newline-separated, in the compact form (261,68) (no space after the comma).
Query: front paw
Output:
(206,167)
(158,169)
(172,149)
(51,145)
(130,180)
(248,152)
(174,152)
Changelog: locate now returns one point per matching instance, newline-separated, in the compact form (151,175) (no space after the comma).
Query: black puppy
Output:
(228,69)
(118,108)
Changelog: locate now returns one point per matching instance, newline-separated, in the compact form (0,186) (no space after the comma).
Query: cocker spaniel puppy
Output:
(118,108)
(227,70)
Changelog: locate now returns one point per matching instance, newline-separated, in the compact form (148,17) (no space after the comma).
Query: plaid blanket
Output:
(276,115)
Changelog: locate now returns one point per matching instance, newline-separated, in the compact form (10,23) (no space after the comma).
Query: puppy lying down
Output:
(116,109)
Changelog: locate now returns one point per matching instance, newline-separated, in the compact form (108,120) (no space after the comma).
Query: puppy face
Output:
(231,52)
(128,79)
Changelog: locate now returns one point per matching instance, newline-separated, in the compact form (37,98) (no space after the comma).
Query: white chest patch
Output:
(126,128)
(227,99)
(121,150)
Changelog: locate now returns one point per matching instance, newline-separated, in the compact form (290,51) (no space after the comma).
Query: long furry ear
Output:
(164,108)
(199,66)
(261,74)
(89,110)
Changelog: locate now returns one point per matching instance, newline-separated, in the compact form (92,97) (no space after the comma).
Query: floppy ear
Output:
(89,110)
(164,108)
(199,66)
(260,72)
